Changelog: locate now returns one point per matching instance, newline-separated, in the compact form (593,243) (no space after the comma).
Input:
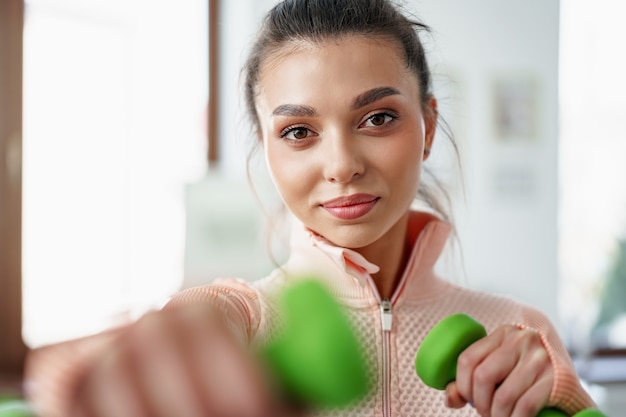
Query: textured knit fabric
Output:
(420,301)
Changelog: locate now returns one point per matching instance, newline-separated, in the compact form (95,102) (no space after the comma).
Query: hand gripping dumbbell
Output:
(316,356)
(436,359)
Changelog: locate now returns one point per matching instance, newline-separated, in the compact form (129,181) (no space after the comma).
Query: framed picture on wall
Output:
(515,108)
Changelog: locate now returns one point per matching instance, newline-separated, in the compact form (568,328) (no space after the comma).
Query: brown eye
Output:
(300,133)
(297,133)
(378,119)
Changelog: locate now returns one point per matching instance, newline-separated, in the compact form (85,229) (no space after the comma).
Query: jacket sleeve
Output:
(236,300)
(567,393)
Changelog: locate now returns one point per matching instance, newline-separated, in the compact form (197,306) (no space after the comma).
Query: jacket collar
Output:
(348,274)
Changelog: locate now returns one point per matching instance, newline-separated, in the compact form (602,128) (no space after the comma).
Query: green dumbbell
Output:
(554,412)
(14,407)
(436,359)
(316,358)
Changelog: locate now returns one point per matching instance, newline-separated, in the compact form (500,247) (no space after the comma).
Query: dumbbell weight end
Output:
(436,359)
(317,357)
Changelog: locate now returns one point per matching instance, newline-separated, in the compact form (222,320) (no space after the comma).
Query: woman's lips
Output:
(351,207)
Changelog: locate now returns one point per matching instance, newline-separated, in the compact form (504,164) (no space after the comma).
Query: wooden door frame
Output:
(12,347)
(213,154)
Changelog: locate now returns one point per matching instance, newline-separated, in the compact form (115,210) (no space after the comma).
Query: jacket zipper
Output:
(386,316)
(386,320)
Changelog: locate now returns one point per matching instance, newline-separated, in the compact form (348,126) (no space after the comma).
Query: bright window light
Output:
(115,93)
(592,171)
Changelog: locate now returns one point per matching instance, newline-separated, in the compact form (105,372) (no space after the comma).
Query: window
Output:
(115,97)
(592,169)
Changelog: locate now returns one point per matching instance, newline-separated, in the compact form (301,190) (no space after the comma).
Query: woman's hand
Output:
(176,362)
(506,374)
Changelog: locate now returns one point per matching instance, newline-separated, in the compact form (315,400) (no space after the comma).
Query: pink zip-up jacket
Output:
(391,330)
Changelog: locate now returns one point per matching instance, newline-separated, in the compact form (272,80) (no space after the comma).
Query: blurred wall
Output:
(494,58)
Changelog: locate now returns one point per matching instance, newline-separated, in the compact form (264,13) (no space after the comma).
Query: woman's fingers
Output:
(506,373)
(454,399)
(490,374)
(531,402)
(527,387)
(230,380)
(164,380)
(180,361)
(107,389)
(469,362)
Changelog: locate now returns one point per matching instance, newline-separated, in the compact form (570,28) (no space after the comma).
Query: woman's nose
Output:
(343,160)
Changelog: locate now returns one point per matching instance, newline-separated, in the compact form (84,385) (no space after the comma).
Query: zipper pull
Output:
(386,315)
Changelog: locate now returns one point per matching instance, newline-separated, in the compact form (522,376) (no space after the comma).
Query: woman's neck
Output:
(390,253)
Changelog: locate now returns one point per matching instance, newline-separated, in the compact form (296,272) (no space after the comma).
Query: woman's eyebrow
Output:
(297,110)
(372,95)
(363,99)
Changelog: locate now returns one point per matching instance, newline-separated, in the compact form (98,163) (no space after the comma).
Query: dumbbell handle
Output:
(436,359)
(14,407)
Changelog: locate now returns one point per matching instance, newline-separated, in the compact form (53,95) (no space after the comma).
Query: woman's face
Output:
(344,133)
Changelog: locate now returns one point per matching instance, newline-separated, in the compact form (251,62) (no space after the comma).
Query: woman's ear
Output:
(430,124)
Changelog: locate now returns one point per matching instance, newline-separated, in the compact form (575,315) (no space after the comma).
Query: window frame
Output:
(12,349)
(214,77)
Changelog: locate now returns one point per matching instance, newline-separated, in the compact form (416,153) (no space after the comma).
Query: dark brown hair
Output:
(292,21)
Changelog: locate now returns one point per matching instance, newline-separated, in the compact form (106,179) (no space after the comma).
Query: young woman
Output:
(339,94)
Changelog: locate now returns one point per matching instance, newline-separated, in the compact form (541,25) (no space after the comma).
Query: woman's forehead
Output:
(355,58)
(349,41)
(321,79)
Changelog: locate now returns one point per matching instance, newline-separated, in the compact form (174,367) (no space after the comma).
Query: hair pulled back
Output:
(320,20)
(314,21)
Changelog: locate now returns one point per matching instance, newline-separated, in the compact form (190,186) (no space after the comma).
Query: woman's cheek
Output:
(285,169)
